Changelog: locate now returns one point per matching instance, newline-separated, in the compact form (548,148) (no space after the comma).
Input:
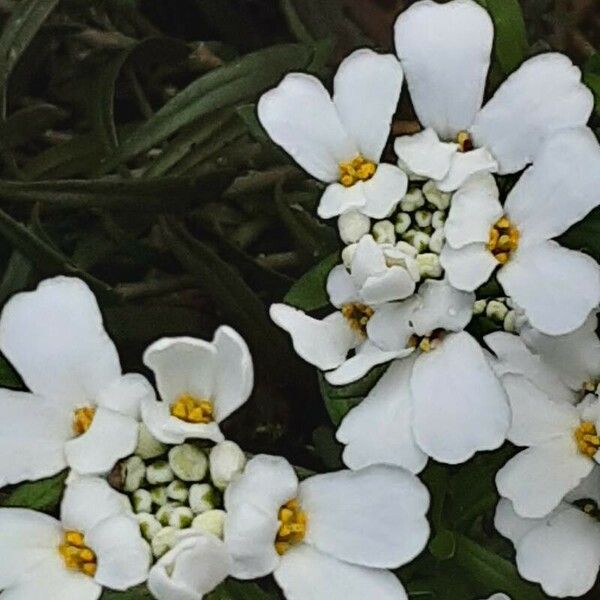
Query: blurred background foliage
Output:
(131,156)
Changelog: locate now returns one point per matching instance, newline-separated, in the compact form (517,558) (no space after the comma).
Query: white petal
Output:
(307,574)
(55,339)
(338,199)
(395,283)
(559,189)
(557,288)
(123,556)
(374,517)
(390,328)
(182,365)
(465,165)
(252,502)
(535,418)
(459,406)
(510,524)
(368,260)
(366,92)
(88,501)
(537,479)
(379,429)
(300,116)
(544,94)
(340,287)
(235,372)
(442,307)
(324,343)
(384,191)
(110,437)
(563,554)
(33,432)
(468,267)
(423,154)
(125,394)
(588,488)
(474,209)
(445,53)
(194,567)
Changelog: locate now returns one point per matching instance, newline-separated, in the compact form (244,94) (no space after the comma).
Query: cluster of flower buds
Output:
(501,311)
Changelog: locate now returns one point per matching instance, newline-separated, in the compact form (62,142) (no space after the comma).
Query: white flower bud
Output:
(159,472)
(177,490)
(159,495)
(384,233)
(423,218)
(429,265)
(510,321)
(163,541)
(403,222)
(135,471)
(163,514)
(149,525)
(226,460)
(436,242)
(441,200)
(412,200)
(348,254)
(181,517)
(438,218)
(148,446)
(479,307)
(211,521)
(188,462)
(496,310)
(352,226)
(141,501)
(420,241)
(203,497)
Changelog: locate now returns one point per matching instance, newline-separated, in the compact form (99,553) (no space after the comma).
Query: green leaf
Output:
(43,495)
(16,276)
(443,545)
(309,292)
(239,590)
(328,449)
(9,378)
(27,123)
(137,593)
(584,235)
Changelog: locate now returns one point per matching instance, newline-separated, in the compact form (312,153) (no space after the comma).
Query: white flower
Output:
(194,567)
(226,460)
(81,411)
(560,551)
(330,536)
(445,52)
(340,140)
(360,294)
(97,543)
(200,384)
(556,287)
(444,401)
(561,439)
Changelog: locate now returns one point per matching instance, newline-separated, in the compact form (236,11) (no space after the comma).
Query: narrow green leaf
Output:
(137,593)
(443,545)
(584,235)
(510,38)
(43,495)
(16,276)
(309,292)
(327,448)
(27,123)
(239,590)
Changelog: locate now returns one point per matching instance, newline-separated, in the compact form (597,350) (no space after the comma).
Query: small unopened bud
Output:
(163,541)
(188,462)
(429,265)
(134,471)
(406,248)
(510,321)
(178,491)
(163,514)
(212,521)
(226,460)
(148,446)
(384,233)
(352,226)
(412,200)
(348,254)
(149,525)
(403,223)
(441,200)
(420,241)
(479,307)
(438,218)
(181,517)
(496,310)
(159,472)
(159,495)
(436,242)
(203,497)
(423,218)
(141,501)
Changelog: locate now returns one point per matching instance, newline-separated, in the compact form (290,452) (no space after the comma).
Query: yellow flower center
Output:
(193,410)
(82,419)
(292,526)
(504,239)
(464,141)
(358,316)
(77,556)
(426,343)
(587,438)
(358,169)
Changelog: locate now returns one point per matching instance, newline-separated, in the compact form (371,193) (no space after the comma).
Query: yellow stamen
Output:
(464,141)
(587,438)
(426,343)
(358,316)
(358,169)
(77,556)
(192,410)
(292,526)
(503,240)
(82,419)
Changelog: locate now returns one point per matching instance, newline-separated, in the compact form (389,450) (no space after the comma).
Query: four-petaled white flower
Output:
(562,439)
(445,401)
(195,566)
(556,287)
(329,536)
(200,384)
(340,140)
(81,411)
(97,543)
(445,52)
(361,296)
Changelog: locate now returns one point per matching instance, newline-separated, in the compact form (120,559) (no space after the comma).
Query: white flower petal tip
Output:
(200,384)
(193,568)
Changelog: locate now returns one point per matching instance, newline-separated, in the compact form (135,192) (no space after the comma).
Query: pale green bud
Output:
(163,514)
(420,241)
(441,200)
(163,541)
(436,242)
(188,462)
(412,200)
(438,218)
(348,254)
(149,525)
(429,265)
(403,223)
(141,501)
(203,497)
(181,517)
(226,460)
(496,310)
(384,233)
(148,446)
(134,470)
(352,226)
(423,218)
(159,495)
(211,521)
(177,490)
(510,321)
(479,307)
(159,472)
